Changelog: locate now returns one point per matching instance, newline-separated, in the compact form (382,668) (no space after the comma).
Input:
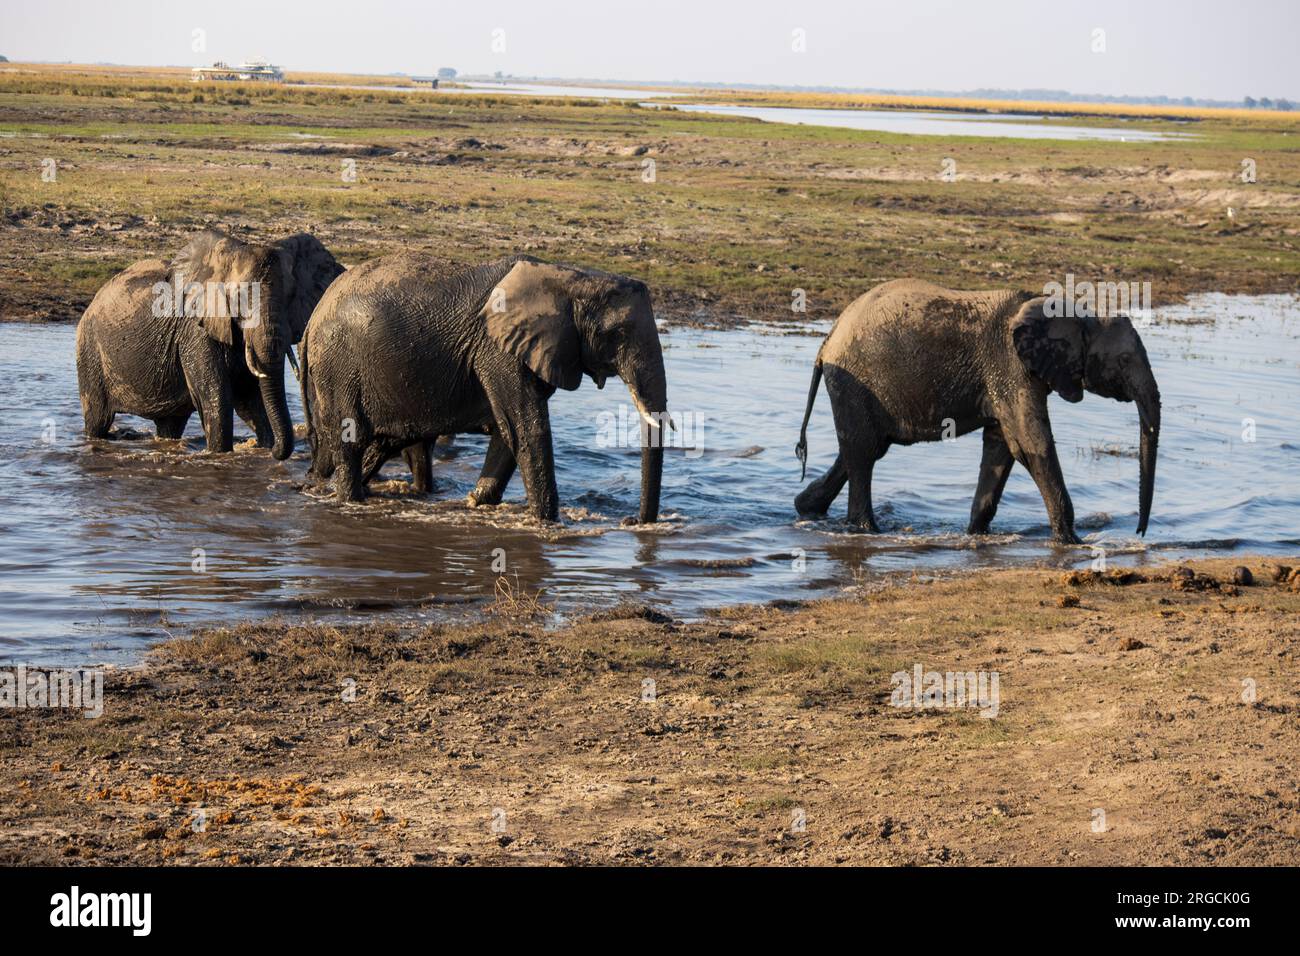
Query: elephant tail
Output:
(801,449)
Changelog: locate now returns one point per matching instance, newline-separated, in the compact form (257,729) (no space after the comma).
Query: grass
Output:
(739,214)
(864,657)
(513,601)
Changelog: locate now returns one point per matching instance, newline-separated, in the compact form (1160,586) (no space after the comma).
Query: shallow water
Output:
(916,122)
(97,542)
(1014,126)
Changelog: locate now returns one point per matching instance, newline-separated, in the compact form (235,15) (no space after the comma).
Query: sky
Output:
(1212,49)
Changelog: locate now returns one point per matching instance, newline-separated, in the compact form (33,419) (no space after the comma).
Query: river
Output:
(106,548)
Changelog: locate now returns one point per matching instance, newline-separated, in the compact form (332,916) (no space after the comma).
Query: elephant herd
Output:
(406,348)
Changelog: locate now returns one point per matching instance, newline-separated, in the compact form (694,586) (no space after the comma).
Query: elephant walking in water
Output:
(401,350)
(910,362)
(208,331)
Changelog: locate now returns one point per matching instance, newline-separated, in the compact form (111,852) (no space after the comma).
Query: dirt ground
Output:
(1142,717)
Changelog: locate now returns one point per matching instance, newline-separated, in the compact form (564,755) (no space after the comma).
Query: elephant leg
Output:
(253,414)
(498,469)
(322,459)
(322,466)
(524,423)
(814,500)
(96,403)
(861,443)
(218,425)
(97,414)
(373,459)
(995,468)
(1036,450)
(209,390)
(860,468)
(533,450)
(417,459)
(348,477)
(171,426)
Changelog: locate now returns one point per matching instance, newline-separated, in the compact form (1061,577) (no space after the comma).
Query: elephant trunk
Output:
(644,376)
(1147,396)
(277,411)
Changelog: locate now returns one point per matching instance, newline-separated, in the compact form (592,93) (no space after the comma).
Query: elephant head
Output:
(1104,356)
(257,300)
(308,270)
(563,322)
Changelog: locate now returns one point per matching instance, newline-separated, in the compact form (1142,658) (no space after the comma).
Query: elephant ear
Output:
(308,270)
(1052,348)
(208,257)
(529,314)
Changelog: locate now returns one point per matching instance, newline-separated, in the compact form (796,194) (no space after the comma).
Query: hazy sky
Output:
(1221,49)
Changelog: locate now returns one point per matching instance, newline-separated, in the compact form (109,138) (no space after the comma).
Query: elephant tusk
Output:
(645,415)
(251,362)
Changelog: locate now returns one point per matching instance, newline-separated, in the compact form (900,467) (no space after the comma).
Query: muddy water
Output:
(107,548)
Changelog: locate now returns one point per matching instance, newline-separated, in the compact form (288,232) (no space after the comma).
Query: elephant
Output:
(402,350)
(910,361)
(209,331)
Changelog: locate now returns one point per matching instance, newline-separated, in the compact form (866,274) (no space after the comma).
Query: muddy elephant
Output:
(910,362)
(209,330)
(400,350)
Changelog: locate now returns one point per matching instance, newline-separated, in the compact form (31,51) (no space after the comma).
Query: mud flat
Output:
(1141,717)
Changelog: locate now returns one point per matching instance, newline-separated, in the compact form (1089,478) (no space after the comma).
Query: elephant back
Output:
(129,295)
(410,285)
(893,318)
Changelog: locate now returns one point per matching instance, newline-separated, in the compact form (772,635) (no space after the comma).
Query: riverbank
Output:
(1140,717)
(729,219)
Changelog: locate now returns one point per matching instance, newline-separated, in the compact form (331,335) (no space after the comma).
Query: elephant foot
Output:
(864,524)
(547,512)
(809,506)
(486,493)
(348,488)
(322,466)
(1066,536)
(170,429)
